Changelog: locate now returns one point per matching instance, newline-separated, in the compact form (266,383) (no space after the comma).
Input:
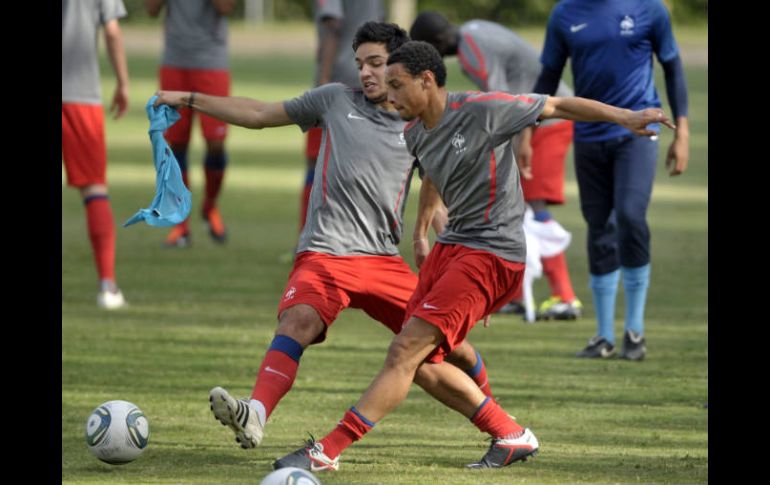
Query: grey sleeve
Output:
(328,8)
(505,114)
(482,65)
(308,109)
(111,9)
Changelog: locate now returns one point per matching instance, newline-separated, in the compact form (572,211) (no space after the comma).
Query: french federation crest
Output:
(458,141)
(627,26)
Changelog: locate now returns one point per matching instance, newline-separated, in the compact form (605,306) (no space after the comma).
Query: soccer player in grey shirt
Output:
(463,141)
(347,254)
(494,58)
(195,59)
(84,152)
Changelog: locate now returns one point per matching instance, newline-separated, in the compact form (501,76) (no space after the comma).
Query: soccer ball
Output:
(290,476)
(117,432)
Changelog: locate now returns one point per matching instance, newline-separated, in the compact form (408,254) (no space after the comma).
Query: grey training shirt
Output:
(362,173)
(469,158)
(195,35)
(80,21)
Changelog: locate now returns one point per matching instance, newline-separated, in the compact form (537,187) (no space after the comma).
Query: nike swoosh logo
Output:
(578,28)
(354,117)
(429,307)
(270,369)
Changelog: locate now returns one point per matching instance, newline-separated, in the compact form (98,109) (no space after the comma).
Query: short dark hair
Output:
(429,26)
(418,56)
(386,33)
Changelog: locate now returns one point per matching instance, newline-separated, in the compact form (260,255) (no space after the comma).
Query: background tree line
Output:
(507,12)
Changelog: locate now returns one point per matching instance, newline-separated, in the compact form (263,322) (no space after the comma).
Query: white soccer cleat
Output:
(110,300)
(239,416)
(503,452)
(310,457)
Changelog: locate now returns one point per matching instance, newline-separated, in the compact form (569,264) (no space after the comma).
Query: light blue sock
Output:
(635,283)
(605,289)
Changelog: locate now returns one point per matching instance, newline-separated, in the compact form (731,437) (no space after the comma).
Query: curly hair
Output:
(429,26)
(386,33)
(419,56)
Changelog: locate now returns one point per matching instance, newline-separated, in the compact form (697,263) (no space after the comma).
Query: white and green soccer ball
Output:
(117,432)
(290,476)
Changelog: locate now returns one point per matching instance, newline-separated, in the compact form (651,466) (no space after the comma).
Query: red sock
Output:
(351,428)
(556,271)
(491,418)
(214,179)
(101,231)
(304,204)
(274,383)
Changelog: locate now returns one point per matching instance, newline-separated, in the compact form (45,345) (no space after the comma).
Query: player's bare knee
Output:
(300,322)
(401,356)
(425,377)
(92,190)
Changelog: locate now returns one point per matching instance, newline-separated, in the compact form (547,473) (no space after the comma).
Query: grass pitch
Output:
(204,316)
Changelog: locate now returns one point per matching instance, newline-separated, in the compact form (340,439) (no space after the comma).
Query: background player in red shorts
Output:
(195,59)
(463,142)
(347,254)
(496,59)
(82,124)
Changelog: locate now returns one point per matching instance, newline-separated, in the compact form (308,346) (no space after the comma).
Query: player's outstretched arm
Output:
(582,109)
(246,112)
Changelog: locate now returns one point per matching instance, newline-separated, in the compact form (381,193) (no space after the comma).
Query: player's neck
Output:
(385,105)
(434,111)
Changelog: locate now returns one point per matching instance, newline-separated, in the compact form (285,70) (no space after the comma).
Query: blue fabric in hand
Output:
(173,201)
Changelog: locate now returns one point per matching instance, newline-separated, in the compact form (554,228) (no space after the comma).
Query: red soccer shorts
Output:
(459,286)
(379,285)
(82,144)
(214,81)
(313,144)
(549,149)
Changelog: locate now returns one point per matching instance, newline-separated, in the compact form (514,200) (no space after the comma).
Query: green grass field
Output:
(204,316)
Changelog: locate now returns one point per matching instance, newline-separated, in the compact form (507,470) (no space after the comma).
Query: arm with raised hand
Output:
(582,109)
(245,112)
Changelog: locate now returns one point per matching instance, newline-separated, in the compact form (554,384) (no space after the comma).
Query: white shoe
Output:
(238,415)
(110,301)
(310,457)
(503,452)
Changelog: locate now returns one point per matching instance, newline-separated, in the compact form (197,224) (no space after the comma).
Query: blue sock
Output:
(635,283)
(605,289)
(543,215)
(474,371)
(215,161)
